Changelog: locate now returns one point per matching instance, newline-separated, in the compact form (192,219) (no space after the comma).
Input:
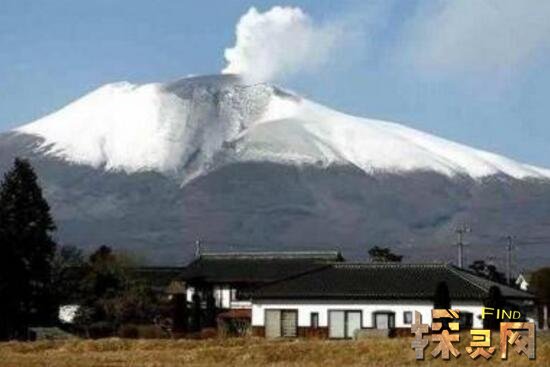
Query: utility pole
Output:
(509,258)
(461,231)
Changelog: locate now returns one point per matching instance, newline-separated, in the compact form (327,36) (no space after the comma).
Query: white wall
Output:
(222,295)
(67,313)
(190,291)
(305,308)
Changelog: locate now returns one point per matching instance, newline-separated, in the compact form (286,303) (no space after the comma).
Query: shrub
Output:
(101,329)
(151,332)
(133,331)
(128,331)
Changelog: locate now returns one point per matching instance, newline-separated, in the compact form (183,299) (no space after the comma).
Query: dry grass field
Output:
(240,352)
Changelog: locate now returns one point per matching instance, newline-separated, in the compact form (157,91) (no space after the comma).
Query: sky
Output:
(470,71)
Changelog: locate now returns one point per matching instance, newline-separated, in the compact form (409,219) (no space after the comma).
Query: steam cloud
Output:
(278,43)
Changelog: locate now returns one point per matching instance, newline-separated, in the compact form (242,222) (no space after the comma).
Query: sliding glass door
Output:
(353,323)
(343,324)
(337,324)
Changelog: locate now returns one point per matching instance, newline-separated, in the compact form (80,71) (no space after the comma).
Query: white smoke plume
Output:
(278,43)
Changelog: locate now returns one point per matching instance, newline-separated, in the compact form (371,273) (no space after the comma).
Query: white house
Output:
(336,300)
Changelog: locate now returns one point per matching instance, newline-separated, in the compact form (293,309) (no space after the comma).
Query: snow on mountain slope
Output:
(181,127)
(374,145)
(161,127)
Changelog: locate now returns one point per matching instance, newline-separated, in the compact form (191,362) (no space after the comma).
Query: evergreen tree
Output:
(442,298)
(495,301)
(26,253)
(540,285)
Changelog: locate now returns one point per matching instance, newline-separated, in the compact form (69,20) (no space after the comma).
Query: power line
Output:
(534,243)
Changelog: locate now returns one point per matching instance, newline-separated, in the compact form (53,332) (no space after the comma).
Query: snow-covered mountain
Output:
(151,168)
(185,126)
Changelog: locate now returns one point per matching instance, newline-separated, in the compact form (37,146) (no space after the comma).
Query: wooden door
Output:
(272,324)
(289,323)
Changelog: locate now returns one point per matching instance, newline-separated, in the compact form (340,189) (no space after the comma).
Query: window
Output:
(315,320)
(281,323)
(384,320)
(343,324)
(407,317)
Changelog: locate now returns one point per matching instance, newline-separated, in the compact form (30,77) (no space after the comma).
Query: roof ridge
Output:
(490,282)
(273,254)
(387,264)
(458,272)
(369,280)
(270,252)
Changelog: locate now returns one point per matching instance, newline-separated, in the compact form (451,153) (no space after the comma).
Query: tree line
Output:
(37,275)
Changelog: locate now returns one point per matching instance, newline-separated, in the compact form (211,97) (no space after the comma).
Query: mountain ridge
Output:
(181,126)
(254,167)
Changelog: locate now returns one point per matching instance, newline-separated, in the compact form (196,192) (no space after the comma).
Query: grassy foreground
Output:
(242,352)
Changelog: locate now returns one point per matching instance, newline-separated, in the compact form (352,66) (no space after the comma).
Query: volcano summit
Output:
(151,168)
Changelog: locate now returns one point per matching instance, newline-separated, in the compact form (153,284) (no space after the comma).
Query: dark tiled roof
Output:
(384,281)
(255,267)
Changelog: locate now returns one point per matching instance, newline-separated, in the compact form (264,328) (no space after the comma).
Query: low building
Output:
(231,278)
(336,300)
(522,282)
